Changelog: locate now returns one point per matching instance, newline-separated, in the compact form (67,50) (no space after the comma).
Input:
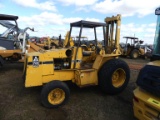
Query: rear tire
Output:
(114,76)
(134,54)
(1,61)
(55,94)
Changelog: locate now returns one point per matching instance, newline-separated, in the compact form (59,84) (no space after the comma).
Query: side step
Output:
(86,77)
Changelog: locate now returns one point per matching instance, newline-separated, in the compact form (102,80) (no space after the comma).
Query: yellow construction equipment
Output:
(132,48)
(53,67)
(49,43)
(146,105)
(68,40)
(146,101)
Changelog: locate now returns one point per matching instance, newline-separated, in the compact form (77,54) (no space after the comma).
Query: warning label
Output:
(35,61)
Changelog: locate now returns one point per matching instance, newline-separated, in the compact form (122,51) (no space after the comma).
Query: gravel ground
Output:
(20,103)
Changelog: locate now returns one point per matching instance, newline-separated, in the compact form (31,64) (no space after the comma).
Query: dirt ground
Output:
(20,103)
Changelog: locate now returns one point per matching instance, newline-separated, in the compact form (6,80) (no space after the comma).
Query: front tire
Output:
(134,54)
(114,76)
(55,94)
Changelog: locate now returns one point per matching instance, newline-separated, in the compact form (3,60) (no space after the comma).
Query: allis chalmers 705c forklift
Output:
(146,102)
(84,68)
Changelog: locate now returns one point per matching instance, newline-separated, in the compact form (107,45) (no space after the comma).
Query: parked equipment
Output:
(8,46)
(132,48)
(14,41)
(156,44)
(146,102)
(146,97)
(146,105)
(84,68)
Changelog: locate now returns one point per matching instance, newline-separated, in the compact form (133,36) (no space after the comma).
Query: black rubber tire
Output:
(145,57)
(135,51)
(48,88)
(1,61)
(105,76)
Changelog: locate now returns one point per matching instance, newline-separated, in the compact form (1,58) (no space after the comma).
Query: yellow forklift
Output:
(146,101)
(51,69)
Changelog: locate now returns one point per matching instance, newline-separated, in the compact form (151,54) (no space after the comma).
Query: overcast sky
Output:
(53,17)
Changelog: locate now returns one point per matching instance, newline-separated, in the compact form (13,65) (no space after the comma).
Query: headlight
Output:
(66,64)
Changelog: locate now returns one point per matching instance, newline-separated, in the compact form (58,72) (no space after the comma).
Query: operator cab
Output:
(83,52)
(84,25)
(131,41)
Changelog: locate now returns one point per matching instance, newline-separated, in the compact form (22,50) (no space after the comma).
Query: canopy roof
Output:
(8,17)
(87,24)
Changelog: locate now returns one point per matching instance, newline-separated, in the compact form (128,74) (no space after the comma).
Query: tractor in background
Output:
(132,48)
(53,68)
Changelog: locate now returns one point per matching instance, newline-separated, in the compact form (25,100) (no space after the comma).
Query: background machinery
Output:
(132,48)
(146,102)
(101,67)
(8,46)
(14,41)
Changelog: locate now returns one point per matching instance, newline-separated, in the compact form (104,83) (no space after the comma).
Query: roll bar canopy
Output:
(8,17)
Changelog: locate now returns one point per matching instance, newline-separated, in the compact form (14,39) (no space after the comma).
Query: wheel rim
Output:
(118,77)
(135,55)
(56,96)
